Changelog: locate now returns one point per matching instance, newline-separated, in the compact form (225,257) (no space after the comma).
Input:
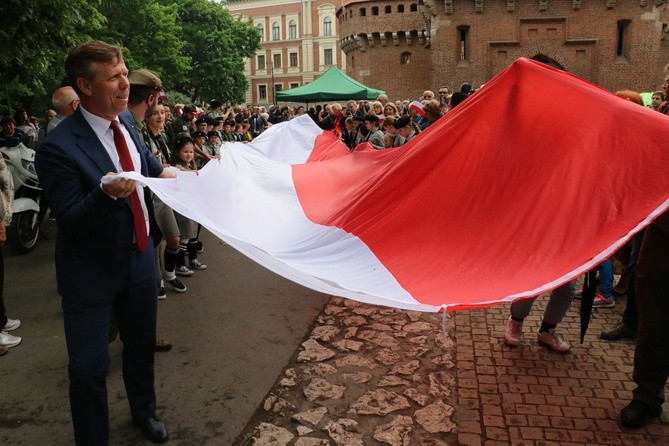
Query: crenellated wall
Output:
(406,49)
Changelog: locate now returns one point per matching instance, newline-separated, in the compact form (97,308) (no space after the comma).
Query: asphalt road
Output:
(233,332)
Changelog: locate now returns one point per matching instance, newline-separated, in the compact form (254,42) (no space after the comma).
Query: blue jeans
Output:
(605,270)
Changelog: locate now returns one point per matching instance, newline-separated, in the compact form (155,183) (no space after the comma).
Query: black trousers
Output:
(3,311)
(651,356)
(87,337)
(630,317)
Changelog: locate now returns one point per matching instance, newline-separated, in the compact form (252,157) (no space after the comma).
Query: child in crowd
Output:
(183,157)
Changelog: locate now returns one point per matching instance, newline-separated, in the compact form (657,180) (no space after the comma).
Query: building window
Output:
(622,42)
(276,59)
(327,26)
(400,8)
(292,30)
(389,9)
(261,62)
(375,10)
(463,42)
(363,12)
(294,85)
(405,58)
(327,56)
(413,7)
(262,92)
(276,31)
(261,30)
(278,87)
(292,60)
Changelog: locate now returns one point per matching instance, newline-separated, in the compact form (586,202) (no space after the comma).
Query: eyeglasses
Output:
(443,92)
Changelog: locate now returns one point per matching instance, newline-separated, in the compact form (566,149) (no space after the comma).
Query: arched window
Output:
(292,30)
(327,26)
(375,10)
(389,9)
(276,31)
(413,7)
(405,58)
(261,30)
(400,8)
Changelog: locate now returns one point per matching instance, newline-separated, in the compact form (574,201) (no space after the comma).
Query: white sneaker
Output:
(184,271)
(196,264)
(553,341)
(513,333)
(12,324)
(7,340)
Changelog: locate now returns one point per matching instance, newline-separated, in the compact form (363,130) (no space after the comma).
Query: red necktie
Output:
(126,164)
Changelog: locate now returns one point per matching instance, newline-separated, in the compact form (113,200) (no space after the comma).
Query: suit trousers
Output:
(87,337)
(651,355)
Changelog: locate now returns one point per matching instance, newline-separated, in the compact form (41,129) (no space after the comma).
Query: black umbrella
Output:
(587,298)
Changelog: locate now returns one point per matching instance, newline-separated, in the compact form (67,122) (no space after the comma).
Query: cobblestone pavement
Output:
(371,375)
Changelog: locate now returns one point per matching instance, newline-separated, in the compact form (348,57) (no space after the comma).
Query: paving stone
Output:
(319,369)
(275,403)
(313,351)
(271,435)
(324,333)
(305,441)
(311,416)
(347,345)
(499,395)
(435,417)
(387,357)
(395,433)
(358,377)
(441,383)
(418,327)
(379,402)
(392,381)
(319,388)
(343,432)
(354,360)
(416,396)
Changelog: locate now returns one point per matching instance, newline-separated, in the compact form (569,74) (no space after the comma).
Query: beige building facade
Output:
(299,41)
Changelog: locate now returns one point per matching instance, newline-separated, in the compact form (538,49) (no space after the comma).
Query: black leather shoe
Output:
(637,414)
(620,331)
(153,429)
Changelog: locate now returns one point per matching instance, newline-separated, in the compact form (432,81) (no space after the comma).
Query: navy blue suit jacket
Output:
(94,242)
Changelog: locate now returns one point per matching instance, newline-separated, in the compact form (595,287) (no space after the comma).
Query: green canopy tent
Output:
(334,84)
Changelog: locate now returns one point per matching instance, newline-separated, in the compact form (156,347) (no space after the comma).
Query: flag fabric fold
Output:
(532,181)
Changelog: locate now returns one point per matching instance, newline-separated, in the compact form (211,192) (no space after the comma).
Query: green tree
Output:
(217,45)
(150,35)
(38,35)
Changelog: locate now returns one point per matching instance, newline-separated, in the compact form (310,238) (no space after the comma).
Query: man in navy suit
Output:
(102,258)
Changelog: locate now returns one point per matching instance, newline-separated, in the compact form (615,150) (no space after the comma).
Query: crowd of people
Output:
(108,244)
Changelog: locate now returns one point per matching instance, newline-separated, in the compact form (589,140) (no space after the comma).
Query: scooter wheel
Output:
(21,235)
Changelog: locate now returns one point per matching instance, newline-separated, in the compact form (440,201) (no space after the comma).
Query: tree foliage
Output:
(38,35)
(195,46)
(150,35)
(217,45)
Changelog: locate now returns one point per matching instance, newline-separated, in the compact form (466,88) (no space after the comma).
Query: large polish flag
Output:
(532,181)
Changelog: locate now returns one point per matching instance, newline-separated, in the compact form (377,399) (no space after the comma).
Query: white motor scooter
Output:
(23,232)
